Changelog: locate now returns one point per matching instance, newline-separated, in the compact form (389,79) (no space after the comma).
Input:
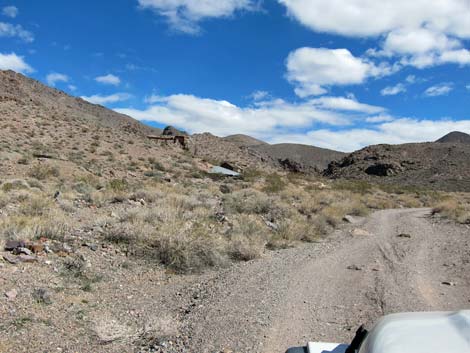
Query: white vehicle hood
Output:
(439,332)
(322,347)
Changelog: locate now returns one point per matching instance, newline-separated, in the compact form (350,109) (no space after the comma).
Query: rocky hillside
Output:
(219,150)
(455,137)
(300,158)
(244,140)
(440,166)
(19,90)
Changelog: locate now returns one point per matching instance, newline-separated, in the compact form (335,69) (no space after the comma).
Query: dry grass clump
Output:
(248,238)
(456,208)
(43,171)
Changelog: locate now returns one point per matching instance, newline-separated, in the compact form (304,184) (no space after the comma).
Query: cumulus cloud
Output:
(15,63)
(185,15)
(108,80)
(101,99)
(345,104)
(224,118)
(423,33)
(263,119)
(55,77)
(12,31)
(441,89)
(393,90)
(10,11)
(395,132)
(372,18)
(313,70)
(259,95)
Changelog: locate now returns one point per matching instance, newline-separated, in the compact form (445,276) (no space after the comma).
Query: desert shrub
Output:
(37,206)
(43,171)
(454,209)
(14,185)
(248,201)
(118,185)
(52,229)
(183,253)
(274,183)
(409,200)
(251,174)
(248,238)
(122,234)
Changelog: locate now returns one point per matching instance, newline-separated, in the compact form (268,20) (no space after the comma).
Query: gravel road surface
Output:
(405,260)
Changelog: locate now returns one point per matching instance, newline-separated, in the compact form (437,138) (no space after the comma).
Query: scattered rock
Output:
(11,245)
(349,219)
(43,296)
(360,233)
(37,248)
(22,250)
(92,247)
(225,189)
(27,258)
(11,259)
(354,268)
(11,294)
(447,283)
(404,235)
(272,225)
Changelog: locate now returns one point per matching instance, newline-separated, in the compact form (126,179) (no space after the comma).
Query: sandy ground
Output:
(321,291)
(325,291)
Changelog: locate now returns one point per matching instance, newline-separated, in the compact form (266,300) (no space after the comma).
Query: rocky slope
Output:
(244,140)
(455,137)
(301,158)
(441,166)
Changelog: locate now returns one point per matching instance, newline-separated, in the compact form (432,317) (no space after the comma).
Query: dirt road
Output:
(325,291)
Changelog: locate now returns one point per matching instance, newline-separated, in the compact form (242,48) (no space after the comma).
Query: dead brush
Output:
(248,238)
(457,209)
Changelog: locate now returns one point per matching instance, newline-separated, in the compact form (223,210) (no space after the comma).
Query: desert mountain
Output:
(244,140)
(19,89)
(296,157)
(427,165)
(455,137)
(80,137)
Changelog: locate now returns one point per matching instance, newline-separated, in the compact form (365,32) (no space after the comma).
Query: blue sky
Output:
(338,74)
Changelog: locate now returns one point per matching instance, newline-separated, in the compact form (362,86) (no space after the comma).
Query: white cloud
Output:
(108,80)
(439,90)
(379,119)
(467,87)
(396,132)
(14,62)
(224,118)
(372,18)
(313,70)
(345,104)
(55,77)
(460,56)
(418,41)
(393,90)
(184,15)
(259,95)
(411,79)
(72,88)
(12,31)
(423,33)
(264,119)
(10,11)
(113,98)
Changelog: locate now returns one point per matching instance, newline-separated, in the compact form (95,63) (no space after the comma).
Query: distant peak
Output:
(455,137)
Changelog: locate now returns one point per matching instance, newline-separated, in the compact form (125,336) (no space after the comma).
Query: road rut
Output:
(324,291)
